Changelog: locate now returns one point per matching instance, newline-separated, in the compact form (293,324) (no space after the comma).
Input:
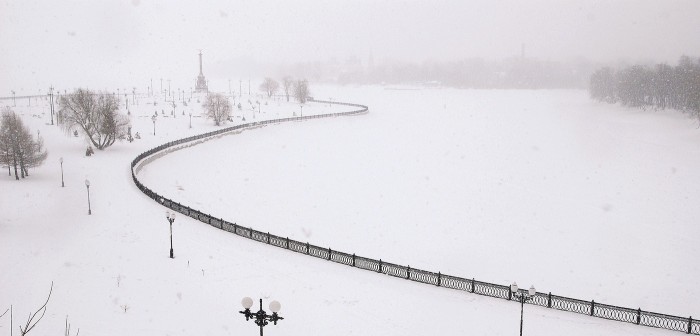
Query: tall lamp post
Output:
(61,161)
(87,185)
(13,99)
(190,119)
(154,124)
(261,317)
(522,296)
(51,95)
(170,216)
(301,110)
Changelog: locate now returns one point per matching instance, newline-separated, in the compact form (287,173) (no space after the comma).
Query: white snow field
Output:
(578,198)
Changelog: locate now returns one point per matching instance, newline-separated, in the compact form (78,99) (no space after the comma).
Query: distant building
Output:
(201,84)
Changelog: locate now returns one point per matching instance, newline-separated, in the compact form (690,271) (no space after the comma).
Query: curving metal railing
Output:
(636,316)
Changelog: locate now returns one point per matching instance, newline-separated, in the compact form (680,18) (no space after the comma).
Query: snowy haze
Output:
(109,44)
(583,199)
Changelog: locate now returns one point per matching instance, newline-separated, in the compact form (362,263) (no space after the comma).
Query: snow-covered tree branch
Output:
(96,115)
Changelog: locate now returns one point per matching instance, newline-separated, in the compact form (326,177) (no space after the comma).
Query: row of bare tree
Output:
(299,89)
(659,87)
(18,149)
(96,115)
(218,108)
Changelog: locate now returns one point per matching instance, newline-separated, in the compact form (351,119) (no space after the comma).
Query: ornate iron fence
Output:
(591,308)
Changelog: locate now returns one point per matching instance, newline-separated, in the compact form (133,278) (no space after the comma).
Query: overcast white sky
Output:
(125,43)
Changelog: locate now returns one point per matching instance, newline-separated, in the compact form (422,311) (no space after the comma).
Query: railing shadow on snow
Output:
(636,316)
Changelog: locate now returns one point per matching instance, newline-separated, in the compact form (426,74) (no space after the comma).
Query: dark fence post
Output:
(510,294)
(690,324)
(439,282)
(353,260)
(268,237)
(329,253)
(639,315)
(222,223)
(592,306)
(472,285)
(235,228)
(307,247)
(549,300)
(408,272)
(287,243)
(250,232)
(380,265)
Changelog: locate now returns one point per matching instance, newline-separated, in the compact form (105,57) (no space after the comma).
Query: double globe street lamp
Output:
(261,317)
(522,296)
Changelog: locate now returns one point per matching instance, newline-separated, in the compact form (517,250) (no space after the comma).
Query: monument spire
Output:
(200,62)
(201,85)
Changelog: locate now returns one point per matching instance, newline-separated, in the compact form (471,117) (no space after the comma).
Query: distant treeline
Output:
(658,87)
(476,73)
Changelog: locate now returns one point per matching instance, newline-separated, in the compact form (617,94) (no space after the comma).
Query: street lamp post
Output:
(170,216)
(154,124)
(190,119)
(61,161)
(261,317)
(522,296)
(13,98)
(51,95)
(87,185)
(301,110)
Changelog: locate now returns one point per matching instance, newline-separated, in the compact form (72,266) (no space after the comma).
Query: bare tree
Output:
(287,83)
(31,322)
(269,86)
(17,147)
(301,90)
(3,314)
(67,331)
(217,107)
(96,115)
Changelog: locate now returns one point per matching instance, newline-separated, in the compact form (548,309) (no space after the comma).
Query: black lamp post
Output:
(61,161)
(261,317)
(522,296)
(87,185)
(154,124)
(170,216)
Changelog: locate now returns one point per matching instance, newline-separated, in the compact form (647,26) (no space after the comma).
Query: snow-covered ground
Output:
(582,199)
